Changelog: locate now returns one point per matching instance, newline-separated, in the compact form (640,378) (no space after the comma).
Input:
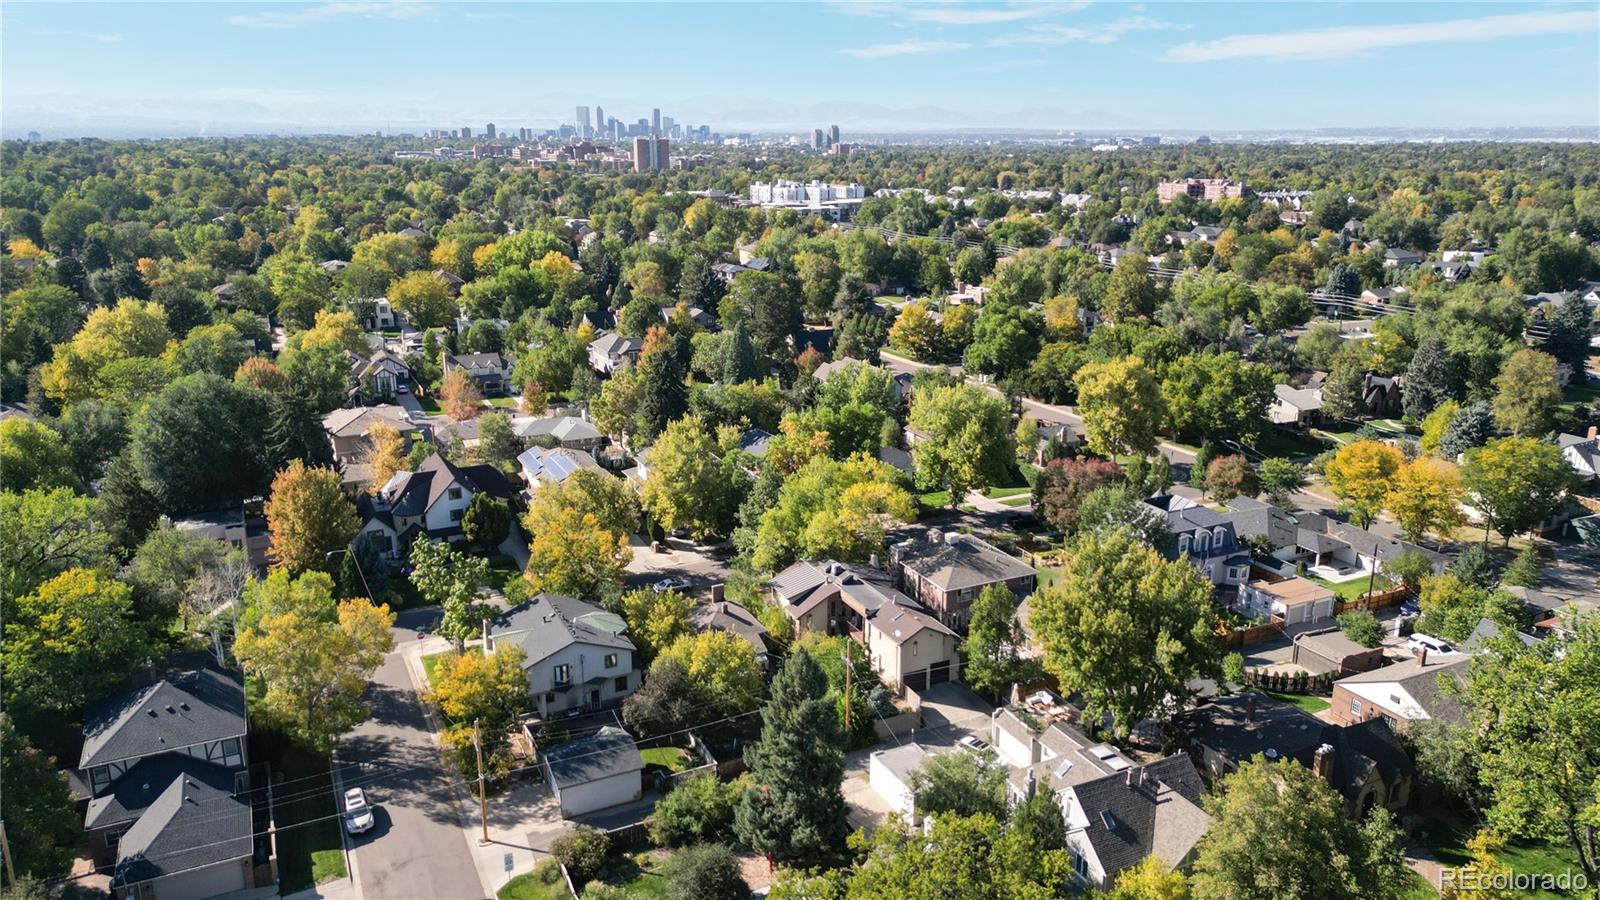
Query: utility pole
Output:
(1372,579)
(847,668)
(483,804)
(5,849)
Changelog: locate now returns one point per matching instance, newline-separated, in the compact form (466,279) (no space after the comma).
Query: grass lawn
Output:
(999,493)
(502,402)
(1415,887)
(1346,590)
(543,883)
(1449,847)
(1306,702)
(634,875)
(673,759)
(431,662)
(1048,576)
(313,852)
(935,499)
(1018,500)
(1284,442)
(429,405)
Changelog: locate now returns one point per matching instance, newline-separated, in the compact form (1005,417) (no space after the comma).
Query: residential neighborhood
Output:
(696,498)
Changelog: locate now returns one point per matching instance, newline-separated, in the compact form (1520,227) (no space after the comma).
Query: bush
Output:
(699,809)
(1362,627)
(705,872)
(583,851)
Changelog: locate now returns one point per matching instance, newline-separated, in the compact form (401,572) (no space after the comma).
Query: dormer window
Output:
(99,777)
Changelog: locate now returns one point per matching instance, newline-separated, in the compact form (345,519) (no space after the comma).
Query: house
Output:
(1582,453)
(378,314)
(908,647)
(1050,434)
(542,466)
(350,430)
(1364,763)
(946,571)
(611,352)
(491,372)
(428,502)
(1321,652)
(1330,549)
(378,378)
(571,432)
(1294,406)
(1381,395)
(333,266)
(695,314)
(1295,601)
(595,772)
(168,809)
(890,772)
(755,441)
(901,380)
(726,272)
(730,617)
(896,457)
(1117,813)
(1400,258)
(576,656)
(1205,536)
(1384,296)
(1411,690)
(451,281)
(240,528)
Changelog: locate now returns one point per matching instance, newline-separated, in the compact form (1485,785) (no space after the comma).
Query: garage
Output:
(939,672)
(889,772)
(918,680)
(595,772)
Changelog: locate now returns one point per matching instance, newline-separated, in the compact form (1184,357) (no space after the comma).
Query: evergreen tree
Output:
(739,363)
(698,285)
(1472,427)
(1525,570)
(1344,280)
(1341,393)
(666,397)
(794,808)
(1431,379)
(295,431)
(1570,327)
(1475,567)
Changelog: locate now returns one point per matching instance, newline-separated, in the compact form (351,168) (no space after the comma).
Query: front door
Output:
(594,699)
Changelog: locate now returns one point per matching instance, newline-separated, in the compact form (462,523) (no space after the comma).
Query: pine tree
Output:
(794,808)
(739,362)
(1570,327)
(1341,393)
(295,431)
(1431,379)
(1472,427)
(1526,569)
(666,397)
(1344,280)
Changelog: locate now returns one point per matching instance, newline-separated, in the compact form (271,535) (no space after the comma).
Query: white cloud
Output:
(903,48)
(1106,33)
(330,12)
(958,13)
(1335,43)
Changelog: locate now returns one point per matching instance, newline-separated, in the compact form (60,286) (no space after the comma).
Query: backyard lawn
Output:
(999,493)
(310,849)
(634,875)
(1448,845)
(935,499)
(1306,702)
(1346,590)
(503,402)
(673,759)
(431,662)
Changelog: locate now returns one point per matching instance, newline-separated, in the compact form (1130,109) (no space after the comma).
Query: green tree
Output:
(723,668)
(1149,880)
(794,807)
(1122,406)
(67,643)
(1435,424)
(1004,340)
(1526,393)
(967,441)
(1470,427)
(1130,293)
(488,690)
(973,856)
(1527,569)
(1232,476)
(33,456)
(1342,391)
(424,300)
(916,333)
(739,364)
(1516,482)
(655,619)
(1117,599)
(831,510)
(1570,330)
(994,638)
(1281,479)
(1323,853)
(312,657)
(1283,306)
(451,580)
(1362,627)
(486,522)
(960,784)
(498,444)
(41,819)
(1426,497)
(47,533)
(705,872)
(309,518)
(197,445)
(1536,713)
(1218,395)
(686,489)
(1431,379)
(699,810)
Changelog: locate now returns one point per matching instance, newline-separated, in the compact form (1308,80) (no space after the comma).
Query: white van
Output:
(1429,643)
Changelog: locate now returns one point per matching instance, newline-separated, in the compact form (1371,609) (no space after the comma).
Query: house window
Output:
(230,752)
(622,684)
(1183,543)
(611,660)
(99,777)
(1202,542)
(549,698)
(455,514)
(114,836)
(455,493)
(913,648)
(563,674)
(381,542)
(1079,864)
(1355,708)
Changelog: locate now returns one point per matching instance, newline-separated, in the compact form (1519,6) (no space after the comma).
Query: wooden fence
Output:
(1374,601)
(1254,634)
(1301,682)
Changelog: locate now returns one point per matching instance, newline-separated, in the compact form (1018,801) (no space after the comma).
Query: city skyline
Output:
(71,69)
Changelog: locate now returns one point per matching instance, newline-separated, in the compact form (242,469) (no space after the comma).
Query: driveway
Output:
(701,566)
(419,847)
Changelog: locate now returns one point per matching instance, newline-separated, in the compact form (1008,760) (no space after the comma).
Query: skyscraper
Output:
(488,131)
(833,134)
(466,133)
(816,138)
(599,119)
(651,154)
(655,120)
(583,121)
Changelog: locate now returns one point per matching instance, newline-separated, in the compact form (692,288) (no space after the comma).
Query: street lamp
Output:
(357,559)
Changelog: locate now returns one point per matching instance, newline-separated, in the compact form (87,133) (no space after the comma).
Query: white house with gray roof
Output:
(1205,537)
(577,656)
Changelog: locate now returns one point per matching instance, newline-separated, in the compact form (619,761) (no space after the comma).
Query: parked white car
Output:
(357,812)
(1429,643)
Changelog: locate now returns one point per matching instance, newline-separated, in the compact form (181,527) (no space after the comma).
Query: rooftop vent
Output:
(1108,820)
(1272,753)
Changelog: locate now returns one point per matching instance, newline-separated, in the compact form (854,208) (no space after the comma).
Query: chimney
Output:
(1033,784)
(1322,763)
(1250,708)
(1133,776)
(1594,431)
(1422,657)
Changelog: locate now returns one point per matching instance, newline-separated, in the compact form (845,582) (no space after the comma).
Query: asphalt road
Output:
(418,848)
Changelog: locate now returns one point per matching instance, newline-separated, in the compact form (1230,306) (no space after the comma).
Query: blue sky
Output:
(84,68)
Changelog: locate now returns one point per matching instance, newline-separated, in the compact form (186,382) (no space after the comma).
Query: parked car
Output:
(670,584)
(1429,643)
(357,812)
(972,743)
(1411,608)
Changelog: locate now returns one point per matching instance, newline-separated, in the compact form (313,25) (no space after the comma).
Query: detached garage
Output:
(595,772)
(889,772)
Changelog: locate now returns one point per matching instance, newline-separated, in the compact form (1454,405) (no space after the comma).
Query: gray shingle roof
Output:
(191,824)
(550,622)
(609,751)
(725,615)
(1130,821)
(139,787)
(966,563)
(1423,682)
(185,709)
